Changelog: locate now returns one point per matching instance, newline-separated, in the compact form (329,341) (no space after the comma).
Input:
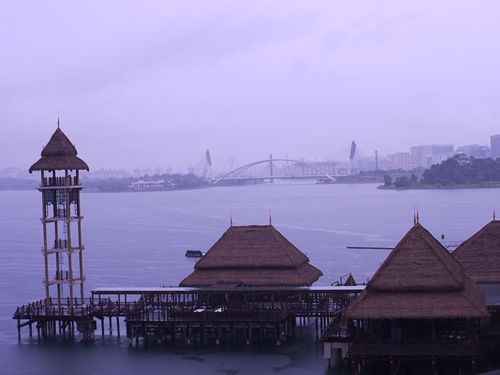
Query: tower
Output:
(62,220)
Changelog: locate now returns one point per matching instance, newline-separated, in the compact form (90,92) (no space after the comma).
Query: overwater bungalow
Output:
(480,258)
(419,307)
(253,255)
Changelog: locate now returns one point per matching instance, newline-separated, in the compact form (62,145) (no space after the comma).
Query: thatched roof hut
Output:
(254,255)
(59,154)
(480,254)
(419,280)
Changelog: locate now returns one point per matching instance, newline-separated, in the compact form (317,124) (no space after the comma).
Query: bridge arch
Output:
(236,172)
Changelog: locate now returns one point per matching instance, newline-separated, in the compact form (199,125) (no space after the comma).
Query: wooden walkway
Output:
(157,312)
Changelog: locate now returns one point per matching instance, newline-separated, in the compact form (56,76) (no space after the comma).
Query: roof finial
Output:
(417,217)
(270,218)
(230,218)
(58,123)
(494,218)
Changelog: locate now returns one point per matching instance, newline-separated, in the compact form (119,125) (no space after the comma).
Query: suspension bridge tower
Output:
(62,222)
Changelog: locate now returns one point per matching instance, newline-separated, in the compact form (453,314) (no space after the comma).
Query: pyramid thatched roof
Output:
(419,280)
(59,154)
(480,254)
(254,255)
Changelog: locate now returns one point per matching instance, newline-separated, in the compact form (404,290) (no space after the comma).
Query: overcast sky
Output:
(157,83)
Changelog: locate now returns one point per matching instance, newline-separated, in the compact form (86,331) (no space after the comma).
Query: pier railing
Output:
(39,310)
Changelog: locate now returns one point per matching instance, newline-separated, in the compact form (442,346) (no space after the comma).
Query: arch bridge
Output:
(278,169)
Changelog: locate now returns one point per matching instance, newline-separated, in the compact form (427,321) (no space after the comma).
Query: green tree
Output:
(402,182)
(387,180)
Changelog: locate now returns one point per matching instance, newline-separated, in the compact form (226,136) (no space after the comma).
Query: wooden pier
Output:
(223,313)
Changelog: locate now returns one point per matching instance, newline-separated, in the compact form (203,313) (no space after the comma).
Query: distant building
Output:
(15,172)
(495,146)
(425,156)
(311,168)
(151,185)
(475,150)
(136,173)
(104,174)
(403,160)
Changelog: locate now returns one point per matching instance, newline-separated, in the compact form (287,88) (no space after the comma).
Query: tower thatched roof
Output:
(254,255)
(480,254)
(419,280)
(59,154)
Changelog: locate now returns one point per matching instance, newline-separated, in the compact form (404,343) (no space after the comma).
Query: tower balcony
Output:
(57,182)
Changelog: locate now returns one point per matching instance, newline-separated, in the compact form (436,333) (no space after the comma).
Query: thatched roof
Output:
(419,280)
(480,254)
(59,154)
(254,255)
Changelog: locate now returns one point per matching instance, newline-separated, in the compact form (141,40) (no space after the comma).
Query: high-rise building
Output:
(425,156)
(476,151)
(495,146)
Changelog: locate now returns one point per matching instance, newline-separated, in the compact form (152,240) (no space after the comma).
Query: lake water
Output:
(139,240)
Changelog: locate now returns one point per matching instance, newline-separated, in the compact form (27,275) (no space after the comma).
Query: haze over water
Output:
(139,239)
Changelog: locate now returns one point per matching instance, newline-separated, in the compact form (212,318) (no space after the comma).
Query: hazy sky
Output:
(157,83)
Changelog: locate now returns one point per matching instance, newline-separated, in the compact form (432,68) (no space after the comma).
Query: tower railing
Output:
(60,181)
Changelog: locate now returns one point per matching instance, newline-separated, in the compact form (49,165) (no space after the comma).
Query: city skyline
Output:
(422,156)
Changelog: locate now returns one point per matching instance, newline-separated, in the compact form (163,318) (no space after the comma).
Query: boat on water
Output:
(194,253)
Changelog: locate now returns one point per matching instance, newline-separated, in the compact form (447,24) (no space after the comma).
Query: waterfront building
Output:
(151,185)
(480,254)
(419,306)
(254,255)
(495,146)
(480,258)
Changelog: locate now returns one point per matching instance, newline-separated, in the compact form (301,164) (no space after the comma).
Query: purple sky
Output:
(157,83)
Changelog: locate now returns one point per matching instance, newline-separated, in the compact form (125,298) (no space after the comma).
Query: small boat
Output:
(194,253)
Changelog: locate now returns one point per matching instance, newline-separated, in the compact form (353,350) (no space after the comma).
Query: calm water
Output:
(139,239)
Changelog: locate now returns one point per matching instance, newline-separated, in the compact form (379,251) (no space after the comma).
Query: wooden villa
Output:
(254,255)
(251,284)
(418,307)
(480,258)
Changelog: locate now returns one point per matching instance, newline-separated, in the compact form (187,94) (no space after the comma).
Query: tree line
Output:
(457,170)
